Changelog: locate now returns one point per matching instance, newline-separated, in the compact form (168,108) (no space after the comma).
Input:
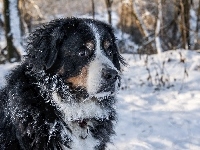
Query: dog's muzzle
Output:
(110,77)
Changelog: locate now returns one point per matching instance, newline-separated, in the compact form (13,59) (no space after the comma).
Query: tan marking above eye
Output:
(90,45)
(106,44)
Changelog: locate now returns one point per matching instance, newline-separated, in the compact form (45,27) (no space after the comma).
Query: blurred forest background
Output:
(142,26)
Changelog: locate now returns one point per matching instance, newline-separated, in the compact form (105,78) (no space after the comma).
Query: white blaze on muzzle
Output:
(94,79)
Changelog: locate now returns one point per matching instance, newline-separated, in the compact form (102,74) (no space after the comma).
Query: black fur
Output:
(26,108)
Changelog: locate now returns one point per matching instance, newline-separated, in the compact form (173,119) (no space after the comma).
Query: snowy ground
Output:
(158,117)
(159,103)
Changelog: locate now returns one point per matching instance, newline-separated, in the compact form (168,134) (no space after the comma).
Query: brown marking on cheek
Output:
(81,79)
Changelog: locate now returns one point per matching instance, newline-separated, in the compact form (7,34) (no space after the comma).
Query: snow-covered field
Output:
(159,103)
(159,117)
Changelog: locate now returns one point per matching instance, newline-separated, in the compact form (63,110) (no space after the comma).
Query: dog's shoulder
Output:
(24,115)
(8,139)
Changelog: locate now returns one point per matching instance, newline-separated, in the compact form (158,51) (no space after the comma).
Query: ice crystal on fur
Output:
(49,85)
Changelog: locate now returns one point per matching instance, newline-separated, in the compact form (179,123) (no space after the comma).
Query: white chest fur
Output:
(73,112)
(78,111)
(81,138)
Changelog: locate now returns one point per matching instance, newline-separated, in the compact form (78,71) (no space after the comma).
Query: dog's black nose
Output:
(109,74)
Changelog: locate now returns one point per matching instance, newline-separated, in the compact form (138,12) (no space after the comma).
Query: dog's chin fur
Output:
(87,109)
(58,99)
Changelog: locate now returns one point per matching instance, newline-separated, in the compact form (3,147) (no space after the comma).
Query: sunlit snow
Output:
(155,116)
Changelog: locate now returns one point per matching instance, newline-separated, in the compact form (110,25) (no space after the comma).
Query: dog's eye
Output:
(84,53)
(86,49)
(106,44)
(108,47)
(90,45)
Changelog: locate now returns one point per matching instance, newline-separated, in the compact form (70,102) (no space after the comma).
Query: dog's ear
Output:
(44,43)
(55,41)
(66,28)
(118,59)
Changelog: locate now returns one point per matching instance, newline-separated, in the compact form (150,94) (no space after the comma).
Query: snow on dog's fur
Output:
(62,96)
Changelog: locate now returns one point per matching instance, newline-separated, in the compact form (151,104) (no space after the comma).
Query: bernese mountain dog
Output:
(62,96)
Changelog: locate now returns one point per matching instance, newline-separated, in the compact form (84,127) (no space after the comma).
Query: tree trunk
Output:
(197,27)
(139,22)
(12,48)
(187,5)
(93,9)
(175,25)
(158,25)
(185,22)
(108,6)
(142,28)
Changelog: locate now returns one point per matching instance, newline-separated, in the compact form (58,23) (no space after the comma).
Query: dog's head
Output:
(82,52)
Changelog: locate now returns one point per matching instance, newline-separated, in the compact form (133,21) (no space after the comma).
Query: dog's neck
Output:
(78,119)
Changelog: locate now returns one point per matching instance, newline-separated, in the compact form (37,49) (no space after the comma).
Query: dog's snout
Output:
(109,74)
